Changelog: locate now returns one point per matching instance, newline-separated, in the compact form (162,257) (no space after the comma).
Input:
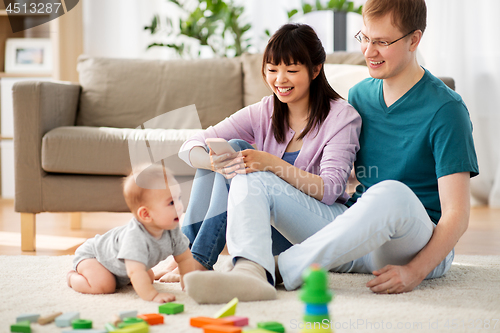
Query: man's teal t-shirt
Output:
(425,135)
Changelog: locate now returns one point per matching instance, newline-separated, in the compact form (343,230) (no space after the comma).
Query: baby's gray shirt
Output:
(133,242)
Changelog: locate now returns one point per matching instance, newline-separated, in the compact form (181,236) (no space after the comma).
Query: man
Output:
(415,131)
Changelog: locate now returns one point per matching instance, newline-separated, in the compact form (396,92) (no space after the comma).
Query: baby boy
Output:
(127,253)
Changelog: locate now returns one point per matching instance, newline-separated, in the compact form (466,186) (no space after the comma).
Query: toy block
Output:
(272,326)
(110,327)
(130,321)
(48,319)
(86,331)
(116,320)
(221,329)
(65,319)
(78,324)
(127,314)
(237,321)
(228,310)
(32,317)
(204,321)
(171,308)
(152,318)
(134,328)
(22,326)
(316,309)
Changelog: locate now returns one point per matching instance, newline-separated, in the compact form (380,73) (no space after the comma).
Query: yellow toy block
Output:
(228,310)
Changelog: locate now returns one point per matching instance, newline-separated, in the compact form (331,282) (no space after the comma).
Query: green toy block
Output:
(171,308)
(228,310)
(110,327)
(315,318)
(22,326)
(273,326)
(134,328)
(130,321)
(78,324)
(315,289)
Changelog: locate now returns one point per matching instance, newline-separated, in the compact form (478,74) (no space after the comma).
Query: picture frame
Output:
(28,55)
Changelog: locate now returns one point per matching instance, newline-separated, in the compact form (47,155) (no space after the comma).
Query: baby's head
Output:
(153,196)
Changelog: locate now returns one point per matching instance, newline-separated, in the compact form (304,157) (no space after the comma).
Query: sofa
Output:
(72,142)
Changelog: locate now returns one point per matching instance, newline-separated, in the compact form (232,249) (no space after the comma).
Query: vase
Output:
(339,31)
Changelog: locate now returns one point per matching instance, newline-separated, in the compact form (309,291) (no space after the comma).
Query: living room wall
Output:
(460,42)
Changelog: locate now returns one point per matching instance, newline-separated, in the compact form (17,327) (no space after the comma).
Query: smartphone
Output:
(219,146)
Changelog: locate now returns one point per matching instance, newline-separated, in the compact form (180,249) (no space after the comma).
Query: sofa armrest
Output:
(38,108)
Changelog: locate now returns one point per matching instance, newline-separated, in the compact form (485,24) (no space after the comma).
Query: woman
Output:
(413,203)
(306,137)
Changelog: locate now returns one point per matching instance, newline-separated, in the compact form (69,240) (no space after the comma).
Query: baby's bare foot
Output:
(68,277)
(171,277)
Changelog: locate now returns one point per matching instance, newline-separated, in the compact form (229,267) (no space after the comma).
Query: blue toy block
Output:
(127,314)
(32,317)
(316,309)
(65,319)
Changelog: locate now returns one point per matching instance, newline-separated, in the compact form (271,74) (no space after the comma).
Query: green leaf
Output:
(307,8)
(319,6)
(350,7)
(332,4)
(340,5)
(292,13)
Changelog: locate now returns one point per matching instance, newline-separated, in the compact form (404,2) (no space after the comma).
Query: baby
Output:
(127,253)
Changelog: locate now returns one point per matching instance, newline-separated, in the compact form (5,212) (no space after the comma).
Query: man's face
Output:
(386,62)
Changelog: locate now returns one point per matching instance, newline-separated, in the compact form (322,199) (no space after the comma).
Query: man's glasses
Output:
(360,37)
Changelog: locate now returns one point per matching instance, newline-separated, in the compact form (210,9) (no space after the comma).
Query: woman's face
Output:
(289,83)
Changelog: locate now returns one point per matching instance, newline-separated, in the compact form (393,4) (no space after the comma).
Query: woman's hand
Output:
(226,164)
(255,160)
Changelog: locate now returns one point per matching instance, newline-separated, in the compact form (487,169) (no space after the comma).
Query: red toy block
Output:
(237,320)
(204,321)
(152,318)
(221,329)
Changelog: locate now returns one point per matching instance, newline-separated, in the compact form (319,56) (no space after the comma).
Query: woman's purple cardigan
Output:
(329,151)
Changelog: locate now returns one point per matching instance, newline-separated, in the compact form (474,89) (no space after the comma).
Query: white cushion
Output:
(344,77)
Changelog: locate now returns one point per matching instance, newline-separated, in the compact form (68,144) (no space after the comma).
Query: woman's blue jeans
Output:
(206,216)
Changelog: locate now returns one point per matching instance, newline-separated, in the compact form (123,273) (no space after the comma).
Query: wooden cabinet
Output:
(65,33)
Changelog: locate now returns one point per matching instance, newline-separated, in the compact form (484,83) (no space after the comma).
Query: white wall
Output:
(460,42)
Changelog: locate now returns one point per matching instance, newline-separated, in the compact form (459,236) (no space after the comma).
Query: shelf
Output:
(3,74)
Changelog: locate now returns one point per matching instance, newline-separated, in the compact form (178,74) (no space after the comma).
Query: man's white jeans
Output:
(387,225)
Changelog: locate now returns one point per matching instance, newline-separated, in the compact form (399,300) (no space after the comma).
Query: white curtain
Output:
(461,41)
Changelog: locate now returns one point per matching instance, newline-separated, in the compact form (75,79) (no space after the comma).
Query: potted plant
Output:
(212,23)
(340,9)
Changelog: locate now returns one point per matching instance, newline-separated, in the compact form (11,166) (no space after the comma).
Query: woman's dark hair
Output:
(298,43)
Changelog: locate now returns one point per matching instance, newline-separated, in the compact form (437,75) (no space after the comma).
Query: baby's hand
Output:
(164,298)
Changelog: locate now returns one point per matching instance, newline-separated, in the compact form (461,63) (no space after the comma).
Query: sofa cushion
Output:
(106,151)
(125,93)
(343,77)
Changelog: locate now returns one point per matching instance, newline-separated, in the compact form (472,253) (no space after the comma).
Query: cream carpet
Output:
(466,299)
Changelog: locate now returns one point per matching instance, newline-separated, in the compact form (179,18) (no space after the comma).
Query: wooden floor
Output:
(482,237)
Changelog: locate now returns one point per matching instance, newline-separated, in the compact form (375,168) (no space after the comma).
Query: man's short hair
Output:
(407,15)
